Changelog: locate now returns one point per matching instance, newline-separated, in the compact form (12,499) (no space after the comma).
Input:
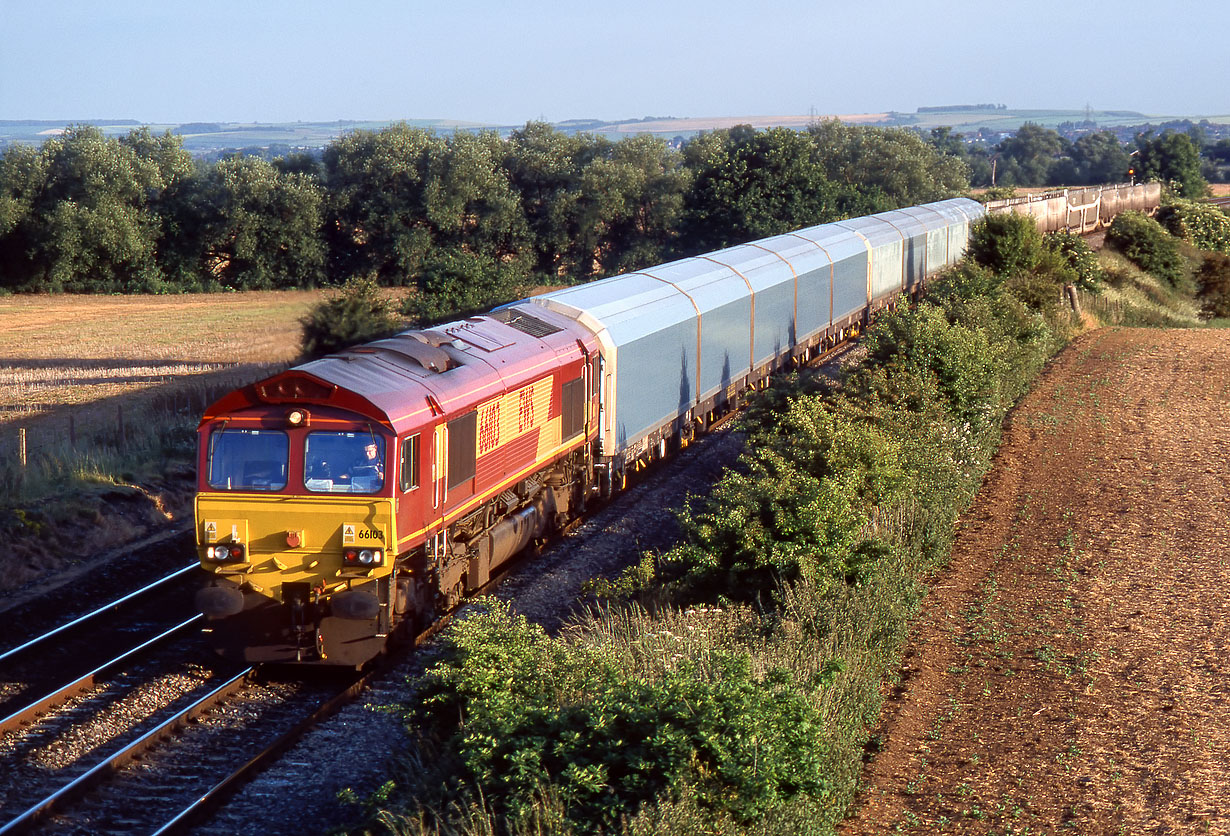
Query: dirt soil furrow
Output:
(1069,672)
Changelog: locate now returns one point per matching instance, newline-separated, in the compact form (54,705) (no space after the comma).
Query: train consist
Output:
(367,492)
(1082,210)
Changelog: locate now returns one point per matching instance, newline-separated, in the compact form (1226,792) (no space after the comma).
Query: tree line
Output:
(467,214)
(469,219)
(1038,156)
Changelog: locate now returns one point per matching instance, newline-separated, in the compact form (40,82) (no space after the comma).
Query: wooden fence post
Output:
(21,447)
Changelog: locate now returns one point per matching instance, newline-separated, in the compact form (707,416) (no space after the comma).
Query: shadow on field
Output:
(117,420)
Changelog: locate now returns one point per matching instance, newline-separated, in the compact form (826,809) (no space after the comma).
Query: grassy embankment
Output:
(70,366)
(730,685)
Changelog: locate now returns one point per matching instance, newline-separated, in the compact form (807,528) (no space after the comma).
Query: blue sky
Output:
(167,61)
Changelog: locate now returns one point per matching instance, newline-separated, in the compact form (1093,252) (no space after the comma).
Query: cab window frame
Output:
(216,437)
(331,484)
(408,466)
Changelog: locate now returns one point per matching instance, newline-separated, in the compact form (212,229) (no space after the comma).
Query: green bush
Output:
(537,710)
(796,508)
(1145,243)
(1213,279)
(457,283)
(357,314)
(1205,226)
(922,343)
(1005,243)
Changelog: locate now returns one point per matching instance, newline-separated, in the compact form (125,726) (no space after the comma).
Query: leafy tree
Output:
(1219,152)
(22,176)
(1173,159)
(1098,158)
(545,168)
(751,184)
(944,141)
(1027,158)
(400,193)
(632,201)
(91,226)
(260,228)
(359,312)
(889,167)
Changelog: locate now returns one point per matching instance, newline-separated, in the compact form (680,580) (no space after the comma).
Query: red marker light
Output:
(293,539)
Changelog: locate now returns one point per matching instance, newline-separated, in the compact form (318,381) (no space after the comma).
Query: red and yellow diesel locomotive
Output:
(368,491)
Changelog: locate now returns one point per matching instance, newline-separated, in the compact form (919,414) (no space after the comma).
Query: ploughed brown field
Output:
(1071,670)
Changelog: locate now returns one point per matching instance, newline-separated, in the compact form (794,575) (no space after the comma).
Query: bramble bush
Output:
(1201,224)
(1146,244)
(538,711)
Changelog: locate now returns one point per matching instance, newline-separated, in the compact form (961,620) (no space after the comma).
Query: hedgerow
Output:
(1201,224)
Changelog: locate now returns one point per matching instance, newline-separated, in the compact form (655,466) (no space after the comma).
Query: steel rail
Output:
(82,619)
(84,683)
(213,798)
(117,760)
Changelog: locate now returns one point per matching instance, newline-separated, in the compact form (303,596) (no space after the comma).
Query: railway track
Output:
(90,643)
(151,740)
(154,739)
(157,738)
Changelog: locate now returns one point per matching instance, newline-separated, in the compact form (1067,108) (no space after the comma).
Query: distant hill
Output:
(213,137)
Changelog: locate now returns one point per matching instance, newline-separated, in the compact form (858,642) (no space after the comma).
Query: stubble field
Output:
(58,350)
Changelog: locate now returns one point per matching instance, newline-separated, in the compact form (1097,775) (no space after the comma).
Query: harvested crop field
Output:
(57,350)
(1071,669)
(88,356)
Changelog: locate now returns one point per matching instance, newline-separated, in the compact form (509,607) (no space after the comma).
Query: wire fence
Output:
(51,439)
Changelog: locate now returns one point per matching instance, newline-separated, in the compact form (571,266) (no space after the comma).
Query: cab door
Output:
(439,469)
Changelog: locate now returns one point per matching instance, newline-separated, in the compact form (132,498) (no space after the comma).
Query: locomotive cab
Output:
(296,522)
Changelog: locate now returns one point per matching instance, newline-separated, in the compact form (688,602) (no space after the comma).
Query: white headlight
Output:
(366,557)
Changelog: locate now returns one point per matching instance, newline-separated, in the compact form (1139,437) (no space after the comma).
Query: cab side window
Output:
(409,463)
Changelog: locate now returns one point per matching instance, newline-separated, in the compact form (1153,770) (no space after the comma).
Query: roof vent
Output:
(524,322)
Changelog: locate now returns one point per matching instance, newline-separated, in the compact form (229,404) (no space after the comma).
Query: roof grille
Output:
(524,322)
